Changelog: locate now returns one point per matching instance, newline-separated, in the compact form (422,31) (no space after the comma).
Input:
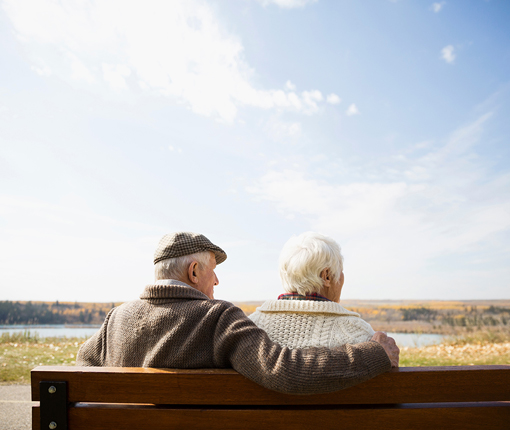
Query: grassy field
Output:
(455,355)
(475,348)
(20,353)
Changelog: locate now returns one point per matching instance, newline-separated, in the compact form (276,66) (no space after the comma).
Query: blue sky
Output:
(383,124)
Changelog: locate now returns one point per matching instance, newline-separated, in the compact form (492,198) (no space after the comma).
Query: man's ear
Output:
(326,278)
(192,272)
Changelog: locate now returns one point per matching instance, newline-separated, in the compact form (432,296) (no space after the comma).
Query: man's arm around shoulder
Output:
(248,349)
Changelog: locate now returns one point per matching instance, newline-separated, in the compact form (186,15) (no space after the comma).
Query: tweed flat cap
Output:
(185,243)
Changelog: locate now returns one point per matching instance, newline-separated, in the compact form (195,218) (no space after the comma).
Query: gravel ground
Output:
(15,407)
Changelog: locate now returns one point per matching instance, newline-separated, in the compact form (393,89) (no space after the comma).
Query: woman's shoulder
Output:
(349,329)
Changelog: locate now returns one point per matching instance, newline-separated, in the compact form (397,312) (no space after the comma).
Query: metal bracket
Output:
(53,406)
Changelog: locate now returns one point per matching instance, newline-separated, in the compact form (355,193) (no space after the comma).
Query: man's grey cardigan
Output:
(177,326)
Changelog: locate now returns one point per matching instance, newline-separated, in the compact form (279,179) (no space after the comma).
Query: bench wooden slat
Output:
(495,415)
(227,387)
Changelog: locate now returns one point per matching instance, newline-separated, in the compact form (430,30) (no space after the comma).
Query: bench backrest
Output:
(115,398)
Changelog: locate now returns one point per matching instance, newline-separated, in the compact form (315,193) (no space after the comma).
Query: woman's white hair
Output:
(304,257)
(177,268)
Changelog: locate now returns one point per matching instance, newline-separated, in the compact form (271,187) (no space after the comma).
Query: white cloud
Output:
(287,4)
(115,75)
(284,131)
(290,86)
(333,99)
(310,99)
(447,54)
(396,227)
(294,129)
(352,110)
(436,7)
(42,71)
(176,49)
(79,71)
(172,148)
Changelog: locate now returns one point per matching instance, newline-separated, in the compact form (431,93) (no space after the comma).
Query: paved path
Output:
(15,407)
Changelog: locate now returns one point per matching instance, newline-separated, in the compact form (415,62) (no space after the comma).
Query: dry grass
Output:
(19,354)
(485,336)
(475,348)
(456,355)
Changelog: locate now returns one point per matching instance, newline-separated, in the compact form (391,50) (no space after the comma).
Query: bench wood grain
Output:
(422,397)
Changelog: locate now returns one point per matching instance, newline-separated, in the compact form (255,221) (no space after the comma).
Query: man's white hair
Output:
(177,268)
(304,257)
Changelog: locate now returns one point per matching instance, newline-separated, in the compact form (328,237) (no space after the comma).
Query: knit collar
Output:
(316,297)
(306,306)
(171,289)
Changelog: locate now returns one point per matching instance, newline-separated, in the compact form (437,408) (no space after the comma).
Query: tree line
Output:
(52,312)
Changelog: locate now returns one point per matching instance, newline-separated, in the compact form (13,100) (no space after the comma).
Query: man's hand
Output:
(389,345)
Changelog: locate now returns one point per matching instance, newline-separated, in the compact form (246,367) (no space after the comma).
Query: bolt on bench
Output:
(458,397)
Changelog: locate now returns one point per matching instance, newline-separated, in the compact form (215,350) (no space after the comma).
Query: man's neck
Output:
(170,282)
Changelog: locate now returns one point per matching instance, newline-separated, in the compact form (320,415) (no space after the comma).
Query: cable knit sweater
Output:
(306,323)
(177,326)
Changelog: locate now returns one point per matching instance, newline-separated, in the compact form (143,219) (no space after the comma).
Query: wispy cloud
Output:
(176,49)
(352,110)
(43,71)
(172,149)
(284,131)
(116,75)
(436,7)
(404,215)
(290,86)
(79,71)
(333,99)
(447,53)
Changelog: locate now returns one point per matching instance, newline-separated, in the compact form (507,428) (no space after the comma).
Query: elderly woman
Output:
(308,314)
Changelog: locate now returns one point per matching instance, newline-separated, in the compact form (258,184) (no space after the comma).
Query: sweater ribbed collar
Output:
(305,306)
(315,297)
(171,289)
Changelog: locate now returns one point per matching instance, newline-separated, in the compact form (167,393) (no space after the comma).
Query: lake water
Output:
(416,339)
(44,331)
(402,339)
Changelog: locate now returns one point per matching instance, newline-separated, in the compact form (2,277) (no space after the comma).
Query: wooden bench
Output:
(463,397)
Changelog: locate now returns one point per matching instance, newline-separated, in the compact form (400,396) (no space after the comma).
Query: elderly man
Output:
(177,323)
